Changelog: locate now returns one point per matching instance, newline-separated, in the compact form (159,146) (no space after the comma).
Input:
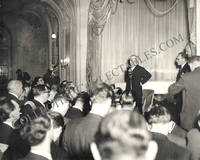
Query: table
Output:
(159,87)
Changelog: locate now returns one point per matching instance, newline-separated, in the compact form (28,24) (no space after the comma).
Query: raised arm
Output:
(145,76)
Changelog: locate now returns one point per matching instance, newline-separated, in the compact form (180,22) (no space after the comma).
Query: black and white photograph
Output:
(100,79)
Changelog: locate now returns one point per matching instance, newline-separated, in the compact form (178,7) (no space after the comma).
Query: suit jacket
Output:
(194,143)
(32,156)
(17,146)
(12,97)
(74,113)
(31,111)
(6,133)
(137,76)
(183,70)
(178,131)
(37,107)
(22,150)
(133,81)
(189,84)
(168,150)
(78,135)
(58,153)
(178,96)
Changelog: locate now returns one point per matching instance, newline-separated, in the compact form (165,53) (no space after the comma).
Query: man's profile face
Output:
(180,60)
(133,61)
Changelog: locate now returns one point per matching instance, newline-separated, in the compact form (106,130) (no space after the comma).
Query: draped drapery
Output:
(191,25)
(99,13)
(134,29)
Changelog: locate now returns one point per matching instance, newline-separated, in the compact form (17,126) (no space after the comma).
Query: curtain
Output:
(135,30)
(99,13)
(191,18)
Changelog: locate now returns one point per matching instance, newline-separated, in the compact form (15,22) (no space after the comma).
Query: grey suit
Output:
(189,83)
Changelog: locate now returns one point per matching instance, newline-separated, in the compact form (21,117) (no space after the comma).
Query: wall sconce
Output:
(53,36)
(64,62)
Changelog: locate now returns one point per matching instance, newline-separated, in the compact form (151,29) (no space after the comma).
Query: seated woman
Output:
(8,115)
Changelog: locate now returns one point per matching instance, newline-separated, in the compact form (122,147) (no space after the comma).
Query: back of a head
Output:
(184,55)
(6,107)
(158,114)
(117,94)
(39,89)
(122,132)
(27,77)
(60,104)
(101,93)
(14,86)
(35,132)
(57,118)
(127,100)
(84,97)
(37,80)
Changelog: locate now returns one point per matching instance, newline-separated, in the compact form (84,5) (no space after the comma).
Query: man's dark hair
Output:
(58,120)
(85,98)
(38,89)
(184,55)
(158,114)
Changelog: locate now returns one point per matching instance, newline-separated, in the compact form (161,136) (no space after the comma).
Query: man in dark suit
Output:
(135,76)
(36,107)
(189,85)
(15,90)
(182,64)
(81,106)
(160,124)
(79,133)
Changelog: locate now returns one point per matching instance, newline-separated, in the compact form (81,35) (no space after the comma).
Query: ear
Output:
(171,126)
(151,151)
(95,151)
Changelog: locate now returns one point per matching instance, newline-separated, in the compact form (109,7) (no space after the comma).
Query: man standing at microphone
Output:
(135,77)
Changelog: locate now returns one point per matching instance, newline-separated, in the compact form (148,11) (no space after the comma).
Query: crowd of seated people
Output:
(55,121)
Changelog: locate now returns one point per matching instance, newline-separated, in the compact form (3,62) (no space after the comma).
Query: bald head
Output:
(15,87)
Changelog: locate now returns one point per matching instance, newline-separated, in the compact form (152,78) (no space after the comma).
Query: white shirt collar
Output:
(39,101)
(9,124)
(183,65)
(44,154)
(77,107)
(13,94)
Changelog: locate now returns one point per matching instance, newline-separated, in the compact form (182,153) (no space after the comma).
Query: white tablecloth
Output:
(159,87)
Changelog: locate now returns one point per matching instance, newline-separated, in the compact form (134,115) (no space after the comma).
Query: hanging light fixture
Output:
(129,1)
(53,36)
